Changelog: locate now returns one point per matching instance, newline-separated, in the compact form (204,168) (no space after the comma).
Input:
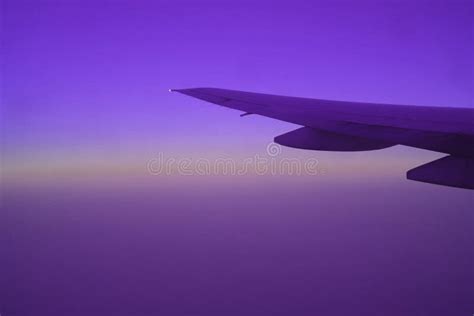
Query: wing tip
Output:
(181,90)
(194,89)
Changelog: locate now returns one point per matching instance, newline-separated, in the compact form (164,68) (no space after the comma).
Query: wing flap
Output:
(310,138)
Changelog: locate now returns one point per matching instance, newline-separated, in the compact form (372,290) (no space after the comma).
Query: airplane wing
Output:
(355,126)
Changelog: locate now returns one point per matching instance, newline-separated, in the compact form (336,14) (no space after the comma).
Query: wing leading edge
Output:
(351,126)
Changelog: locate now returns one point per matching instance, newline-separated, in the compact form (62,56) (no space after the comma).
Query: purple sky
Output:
(85,230)
(88,80)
